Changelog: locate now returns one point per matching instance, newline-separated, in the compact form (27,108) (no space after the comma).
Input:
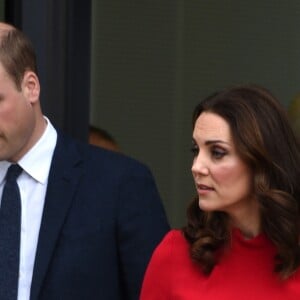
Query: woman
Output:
(241,240)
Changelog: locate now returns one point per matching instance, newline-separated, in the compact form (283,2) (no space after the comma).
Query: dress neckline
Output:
(257,241)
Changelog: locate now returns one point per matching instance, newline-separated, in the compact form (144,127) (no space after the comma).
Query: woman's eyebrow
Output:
(209,142)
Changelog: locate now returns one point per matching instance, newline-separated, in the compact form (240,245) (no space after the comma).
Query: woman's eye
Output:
(195,150)
(218,153)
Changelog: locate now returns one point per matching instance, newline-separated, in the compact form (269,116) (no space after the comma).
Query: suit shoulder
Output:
(96,159)
(111,160)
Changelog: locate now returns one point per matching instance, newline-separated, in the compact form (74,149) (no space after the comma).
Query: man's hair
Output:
(17,54)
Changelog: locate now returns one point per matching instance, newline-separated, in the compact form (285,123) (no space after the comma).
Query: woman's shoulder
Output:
(173,242)
(172,250)
(174,236)
(162,279)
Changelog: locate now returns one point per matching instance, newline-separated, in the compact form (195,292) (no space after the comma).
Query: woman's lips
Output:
(203,189)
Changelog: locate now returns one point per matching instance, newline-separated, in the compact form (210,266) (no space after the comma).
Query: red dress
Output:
(244,273)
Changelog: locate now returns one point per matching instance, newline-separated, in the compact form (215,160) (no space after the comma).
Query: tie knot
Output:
(13,172)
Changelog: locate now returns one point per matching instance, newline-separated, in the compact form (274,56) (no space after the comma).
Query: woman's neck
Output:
(247,221)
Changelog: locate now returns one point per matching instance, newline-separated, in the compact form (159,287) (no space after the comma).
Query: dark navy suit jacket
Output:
(102,219)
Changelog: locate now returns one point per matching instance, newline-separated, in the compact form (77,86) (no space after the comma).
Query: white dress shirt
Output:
(33,185)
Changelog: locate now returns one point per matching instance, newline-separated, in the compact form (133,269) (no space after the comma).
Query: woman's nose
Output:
(199,165)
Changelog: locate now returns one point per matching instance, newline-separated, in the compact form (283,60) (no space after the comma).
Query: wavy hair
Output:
(266,142)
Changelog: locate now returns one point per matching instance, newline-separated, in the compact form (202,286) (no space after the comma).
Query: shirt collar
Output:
(37,161)
(3,169)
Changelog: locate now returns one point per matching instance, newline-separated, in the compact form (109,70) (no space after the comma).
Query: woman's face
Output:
(223,181)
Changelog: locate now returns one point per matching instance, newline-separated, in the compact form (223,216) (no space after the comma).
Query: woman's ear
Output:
(31,86)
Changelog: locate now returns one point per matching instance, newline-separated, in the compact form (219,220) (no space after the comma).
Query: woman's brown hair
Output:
(265,142)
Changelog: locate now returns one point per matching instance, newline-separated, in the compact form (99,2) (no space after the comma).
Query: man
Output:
(90,218)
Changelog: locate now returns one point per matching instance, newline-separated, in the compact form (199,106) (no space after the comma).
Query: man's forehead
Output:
(5,26)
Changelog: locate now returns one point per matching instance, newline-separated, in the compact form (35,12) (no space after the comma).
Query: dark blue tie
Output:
(10,227)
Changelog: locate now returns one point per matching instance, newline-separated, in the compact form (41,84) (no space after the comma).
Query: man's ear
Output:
(31,86)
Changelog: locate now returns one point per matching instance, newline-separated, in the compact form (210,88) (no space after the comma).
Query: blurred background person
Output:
(101,138)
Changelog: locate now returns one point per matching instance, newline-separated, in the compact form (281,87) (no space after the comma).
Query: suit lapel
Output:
(63,178)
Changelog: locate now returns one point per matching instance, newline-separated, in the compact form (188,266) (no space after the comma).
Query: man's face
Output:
(17,119)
